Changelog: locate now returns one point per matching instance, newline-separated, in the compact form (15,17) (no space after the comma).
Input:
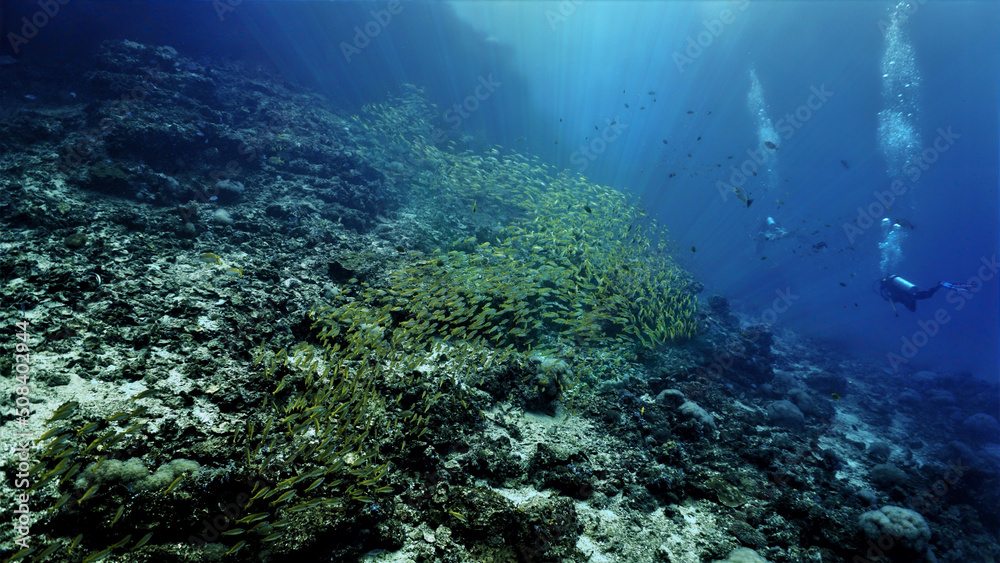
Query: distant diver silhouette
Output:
(895,289)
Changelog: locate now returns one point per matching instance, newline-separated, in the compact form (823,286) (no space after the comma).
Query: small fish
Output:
(48,551)
(771,145)
(587,209)
(142,541)
(118,515)
(120,542)
(763,257)
(651,93)
(664,141)
(31,96)
(842,284)
(400,249)
(209,257)
(474,206)
(844,163)
(97,556)
(626,106)
(690,112)
(62,412)
(234,271)
(236,547)
(835,396)
(90,492)
(819,245)
(672,174)
(174,484)
(693,249)
(143,394)
(744,198)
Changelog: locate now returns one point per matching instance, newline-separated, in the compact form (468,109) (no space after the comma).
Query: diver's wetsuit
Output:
(897,293)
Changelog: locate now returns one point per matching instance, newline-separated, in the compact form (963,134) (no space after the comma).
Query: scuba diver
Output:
(768,231)
(895,289)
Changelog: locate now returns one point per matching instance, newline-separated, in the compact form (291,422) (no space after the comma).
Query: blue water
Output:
(603,56)
(540,77)
(562,69)
(798,153)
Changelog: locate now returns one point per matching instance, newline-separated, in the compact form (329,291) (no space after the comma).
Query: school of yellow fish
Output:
(551,266)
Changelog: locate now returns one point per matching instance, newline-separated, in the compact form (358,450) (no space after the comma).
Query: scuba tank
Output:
(900,285)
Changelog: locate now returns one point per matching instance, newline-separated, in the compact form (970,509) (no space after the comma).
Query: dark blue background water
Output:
(557,70)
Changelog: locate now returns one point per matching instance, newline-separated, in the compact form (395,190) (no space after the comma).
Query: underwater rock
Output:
(827,383)
(786,414)
(961,451)
(222,217)
(693,411)
(982,427)
(742,555)
(906,527)
(887,476)
(909,398)
(187,230)
(229,191)
(879,451)
(727,493)
(107,178)
(670,398)
(75,240)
